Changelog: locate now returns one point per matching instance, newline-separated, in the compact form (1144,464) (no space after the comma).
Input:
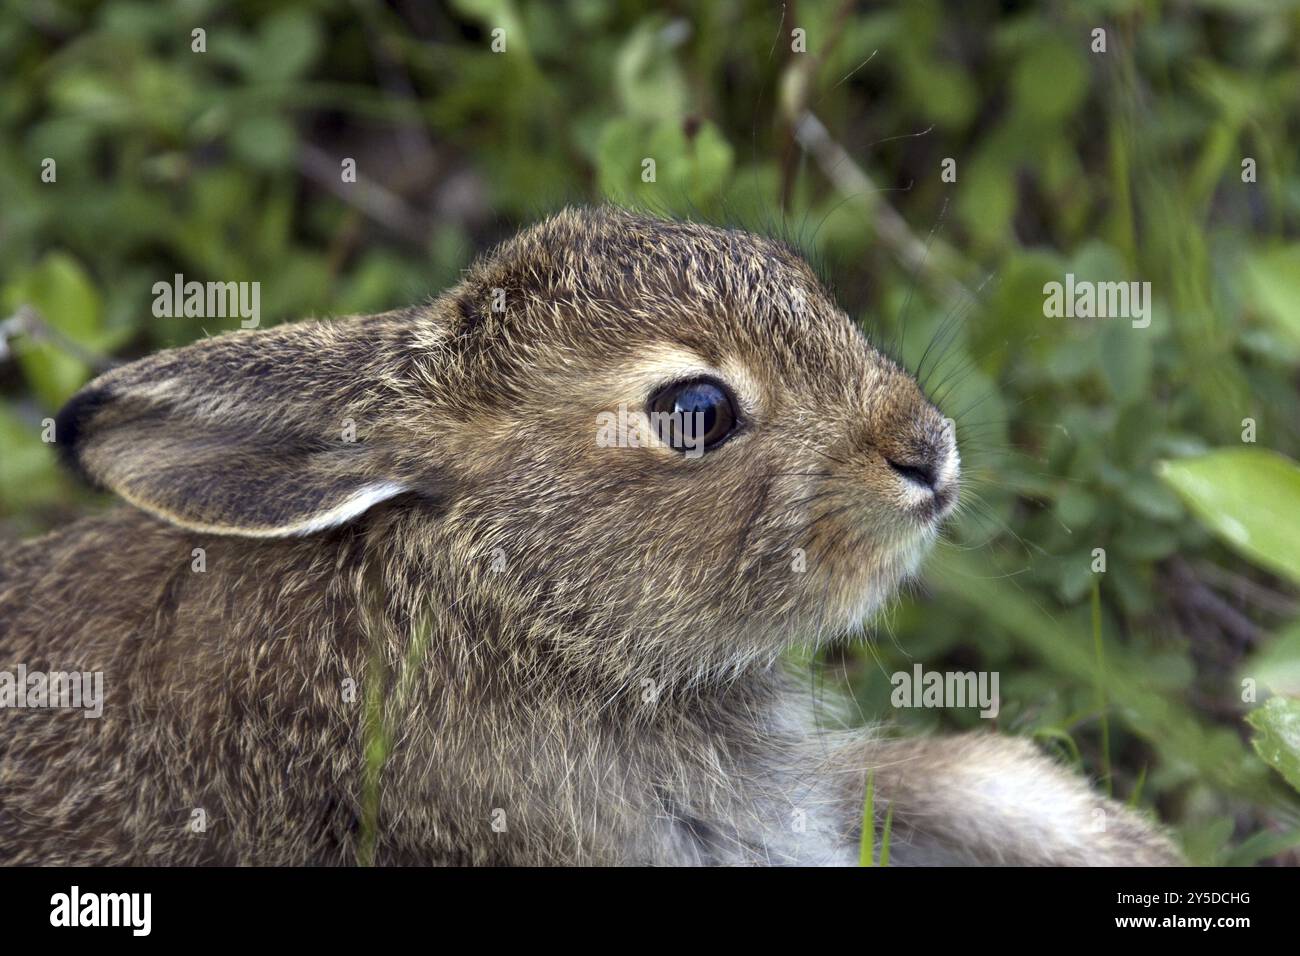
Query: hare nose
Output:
(931,465)
(924,473)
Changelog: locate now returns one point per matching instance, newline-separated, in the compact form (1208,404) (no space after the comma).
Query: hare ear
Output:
(244,434)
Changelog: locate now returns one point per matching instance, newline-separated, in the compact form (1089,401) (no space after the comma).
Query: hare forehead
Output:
(763,380)
(653,368)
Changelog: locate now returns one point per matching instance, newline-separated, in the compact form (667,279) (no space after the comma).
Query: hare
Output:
(507,579)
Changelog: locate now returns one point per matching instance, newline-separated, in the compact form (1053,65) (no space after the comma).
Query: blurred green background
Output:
(1171,678)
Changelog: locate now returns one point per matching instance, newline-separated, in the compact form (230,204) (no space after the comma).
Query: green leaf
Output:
(867,847)
(709,159)
(1278,740)
(619,156)
(688,169)
(649,82)
(1125,360)
(1276,665)
(1275,288)
(1052,733)
(1051,81)
(266,141)
(986,205)
(28,475)
(1076,507)
(1263,845)
(290,42)
(1250,498)
(1148,497)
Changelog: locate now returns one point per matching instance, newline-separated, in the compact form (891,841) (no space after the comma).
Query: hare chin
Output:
(882,583)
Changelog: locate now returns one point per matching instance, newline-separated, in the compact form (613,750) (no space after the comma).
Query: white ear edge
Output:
(357,503)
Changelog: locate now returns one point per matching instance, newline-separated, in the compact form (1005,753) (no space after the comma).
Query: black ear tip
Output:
(70,427)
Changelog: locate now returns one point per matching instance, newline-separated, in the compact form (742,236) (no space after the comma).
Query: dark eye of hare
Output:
(693,415)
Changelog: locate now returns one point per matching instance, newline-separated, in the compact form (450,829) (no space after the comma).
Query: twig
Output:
(386,208)
(1263,597)
(805,70)
(27,320)
(1198,596)
(414,138)
(936,264)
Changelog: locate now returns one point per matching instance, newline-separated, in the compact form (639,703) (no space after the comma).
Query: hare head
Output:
(642,448)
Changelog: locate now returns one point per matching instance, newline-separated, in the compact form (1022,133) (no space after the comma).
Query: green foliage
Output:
(1250,498)
(1274,277)
(1278,740)
(59,288)
(1076,434)
(867,855)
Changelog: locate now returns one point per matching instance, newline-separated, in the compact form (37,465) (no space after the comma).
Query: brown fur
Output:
(611,694)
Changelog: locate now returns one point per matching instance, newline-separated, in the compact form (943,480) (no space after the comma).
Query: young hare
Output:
(460,600)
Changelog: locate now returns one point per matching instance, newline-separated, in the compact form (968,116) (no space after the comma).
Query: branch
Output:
(935,263)
(28,321)
(386,208)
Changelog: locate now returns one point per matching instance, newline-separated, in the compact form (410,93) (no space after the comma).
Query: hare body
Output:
(387,592)
(225,697)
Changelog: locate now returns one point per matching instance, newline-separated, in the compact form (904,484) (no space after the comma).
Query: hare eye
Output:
(691,415)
